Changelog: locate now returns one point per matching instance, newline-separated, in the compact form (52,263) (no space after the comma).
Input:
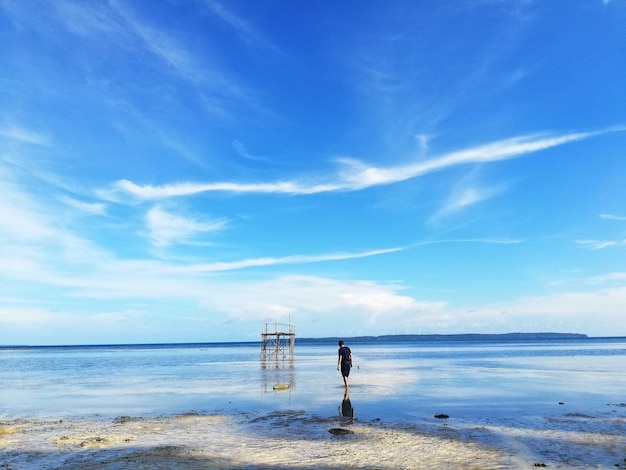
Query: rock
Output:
(125,419)
(442,416)
(340,431)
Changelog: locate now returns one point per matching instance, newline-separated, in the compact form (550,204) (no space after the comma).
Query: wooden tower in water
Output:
(278,341)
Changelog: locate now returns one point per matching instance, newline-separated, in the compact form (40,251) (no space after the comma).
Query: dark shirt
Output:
(344,353)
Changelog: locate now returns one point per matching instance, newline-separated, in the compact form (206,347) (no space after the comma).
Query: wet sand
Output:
(296,439)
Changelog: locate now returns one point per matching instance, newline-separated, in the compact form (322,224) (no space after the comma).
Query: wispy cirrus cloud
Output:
(90,20)
(355,175)
(468,192)
(89,208)
(161,45)
(491,241)
(612,217)
(614,277)
(35,234)
(293,259)
(120,28)
(597,244)
(243,151)
(361,176)
(27,136)
(165,228)
(243,28)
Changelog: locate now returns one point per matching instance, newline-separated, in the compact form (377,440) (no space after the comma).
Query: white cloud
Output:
(463,197)
(243,28)
(600,244)
(612,217)
(607,278)
(36,240)
(241,150)
(468,197)
(21,217)
(423,140)
(166,228)
(324,298)
(294,259)
(495,241)
(25,316)
(356,175)
(168,51)
(89,20)
(111,279)
(27,136)
(90,208)
(596,312)
(118,26)
(589,311)
(369,307)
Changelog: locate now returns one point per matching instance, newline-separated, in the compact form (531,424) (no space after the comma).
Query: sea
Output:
(401,381)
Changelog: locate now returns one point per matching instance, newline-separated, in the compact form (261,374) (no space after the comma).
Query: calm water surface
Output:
(400,381)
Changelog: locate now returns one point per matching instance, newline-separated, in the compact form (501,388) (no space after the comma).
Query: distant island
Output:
(334,339)
(455,337)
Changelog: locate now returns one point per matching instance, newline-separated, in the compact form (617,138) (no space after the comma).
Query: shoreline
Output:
(298,439)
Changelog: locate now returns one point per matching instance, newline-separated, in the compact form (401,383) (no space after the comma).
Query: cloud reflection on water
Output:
(389,382)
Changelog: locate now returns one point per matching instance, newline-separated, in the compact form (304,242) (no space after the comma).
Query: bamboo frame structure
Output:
(278,341)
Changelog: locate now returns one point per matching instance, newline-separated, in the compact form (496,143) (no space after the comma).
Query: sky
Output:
(186,170)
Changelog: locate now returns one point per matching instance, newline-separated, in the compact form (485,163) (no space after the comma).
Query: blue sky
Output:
(186,170)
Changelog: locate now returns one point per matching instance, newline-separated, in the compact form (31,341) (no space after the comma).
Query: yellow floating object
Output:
(281,387)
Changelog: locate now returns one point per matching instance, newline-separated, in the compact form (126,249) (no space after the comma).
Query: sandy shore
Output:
(293,439)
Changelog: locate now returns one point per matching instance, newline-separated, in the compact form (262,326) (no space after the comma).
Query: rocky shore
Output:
(295,439)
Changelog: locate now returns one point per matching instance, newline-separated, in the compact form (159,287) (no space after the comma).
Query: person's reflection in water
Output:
(345,409)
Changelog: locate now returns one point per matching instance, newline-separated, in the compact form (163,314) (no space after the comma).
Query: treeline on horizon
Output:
(452,337)
(335,339)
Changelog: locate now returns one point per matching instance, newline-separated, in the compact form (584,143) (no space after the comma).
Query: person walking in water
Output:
(344,361)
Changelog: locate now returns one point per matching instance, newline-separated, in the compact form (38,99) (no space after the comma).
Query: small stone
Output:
(340,431)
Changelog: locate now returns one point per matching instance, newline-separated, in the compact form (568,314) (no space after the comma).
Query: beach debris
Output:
(5,431)
(125,419)
(97,441)
(441,416)
(340,431)
(281,386)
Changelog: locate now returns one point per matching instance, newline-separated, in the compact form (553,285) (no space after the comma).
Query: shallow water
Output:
(399,382)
